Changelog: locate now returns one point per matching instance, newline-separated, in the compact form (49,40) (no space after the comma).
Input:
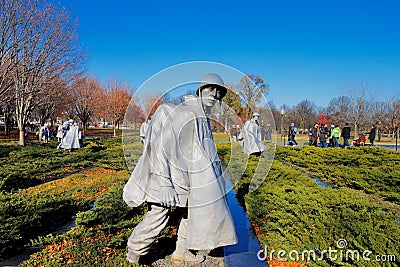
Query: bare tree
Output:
(151,103)
(393,118)
(115,101)
(46,101)
(86,92)
(306,113)
(8,112)
(134,115)
(44,47)
(339,110)
(360,101)
(8,10)
(251,88)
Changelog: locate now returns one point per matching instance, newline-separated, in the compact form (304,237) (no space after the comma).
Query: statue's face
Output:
(208,95)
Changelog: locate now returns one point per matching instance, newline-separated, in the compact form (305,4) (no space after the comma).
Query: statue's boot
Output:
(132,257)
(181,253)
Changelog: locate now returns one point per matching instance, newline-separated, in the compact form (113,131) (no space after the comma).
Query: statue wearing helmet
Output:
(180,167)
(250,137)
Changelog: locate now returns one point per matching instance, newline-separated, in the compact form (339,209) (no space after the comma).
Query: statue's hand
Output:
(168,196)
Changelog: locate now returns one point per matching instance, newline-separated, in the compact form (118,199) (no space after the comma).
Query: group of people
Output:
(234,132)
(329,136)
(43,133)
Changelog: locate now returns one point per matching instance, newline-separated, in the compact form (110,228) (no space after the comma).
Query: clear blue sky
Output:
(304,49)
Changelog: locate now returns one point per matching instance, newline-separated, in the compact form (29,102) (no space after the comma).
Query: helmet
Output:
(256,114)
(212,79)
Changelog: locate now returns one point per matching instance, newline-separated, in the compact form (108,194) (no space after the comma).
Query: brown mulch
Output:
(14,135)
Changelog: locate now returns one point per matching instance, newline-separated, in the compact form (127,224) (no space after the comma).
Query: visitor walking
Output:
(292,135)
(330,140)
(238,131)
(346,134)
(335,134)
(323,134)
(44,133)
(372,134)
(314,136)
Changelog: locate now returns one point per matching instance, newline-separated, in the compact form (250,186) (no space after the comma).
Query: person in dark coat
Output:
(314,135)
(330,139)
(292,135)
(372,135)
(323,133)
(346,134)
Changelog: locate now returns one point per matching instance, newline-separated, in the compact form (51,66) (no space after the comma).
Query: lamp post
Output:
(282,115)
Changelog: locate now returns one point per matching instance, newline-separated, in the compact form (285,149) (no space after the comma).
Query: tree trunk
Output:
(115,129)
(21,135)
(84,125)
(21,119)
(6,129)
(355,131)
(379,132)
(7,123)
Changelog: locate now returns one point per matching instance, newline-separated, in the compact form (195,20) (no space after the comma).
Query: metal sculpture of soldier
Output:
(71,137)
(250,137)
(180,167)
(143,129)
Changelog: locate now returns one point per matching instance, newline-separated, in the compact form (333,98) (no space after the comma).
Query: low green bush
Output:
(28,166)
(24,216)
(291,212)
(39,210)
(373,170)
(101,235)
(288,211)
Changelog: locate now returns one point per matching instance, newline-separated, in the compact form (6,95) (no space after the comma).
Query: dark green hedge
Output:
(373,170)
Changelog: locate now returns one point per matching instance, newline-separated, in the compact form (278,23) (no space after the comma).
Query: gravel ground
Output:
(211,260)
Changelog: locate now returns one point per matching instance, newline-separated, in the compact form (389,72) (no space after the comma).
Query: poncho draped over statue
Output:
(250,138)
(179,150)
(71,137)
